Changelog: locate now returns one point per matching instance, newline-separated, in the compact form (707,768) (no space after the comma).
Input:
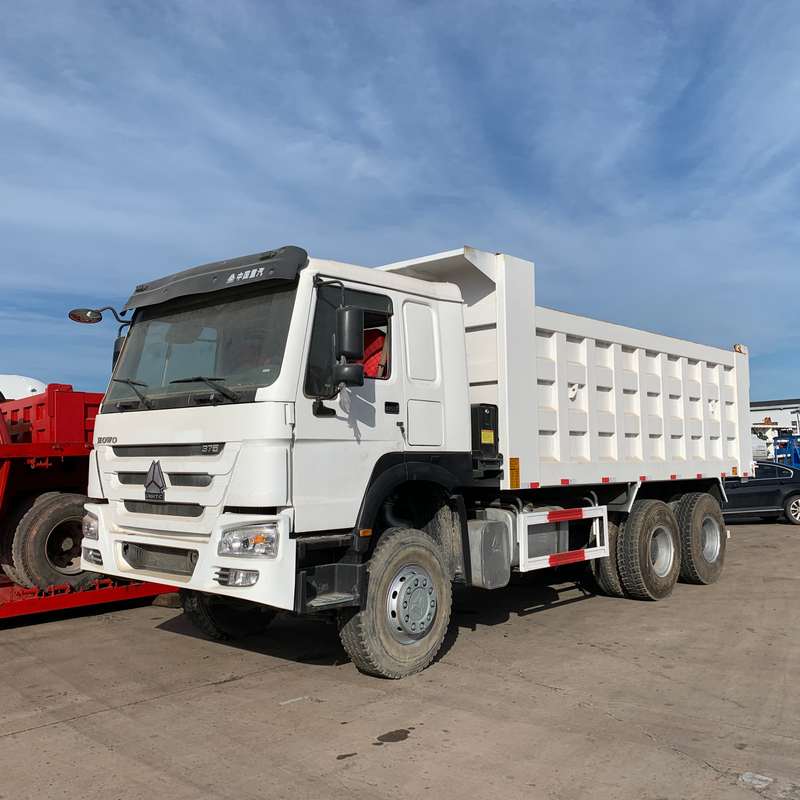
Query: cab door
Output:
(339,441)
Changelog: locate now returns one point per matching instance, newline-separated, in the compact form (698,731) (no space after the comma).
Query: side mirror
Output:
(87,316)
(348,374)
(350,334)
(118,343)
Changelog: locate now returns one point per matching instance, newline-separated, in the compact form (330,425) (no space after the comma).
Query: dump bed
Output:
(56,415)
(582,401)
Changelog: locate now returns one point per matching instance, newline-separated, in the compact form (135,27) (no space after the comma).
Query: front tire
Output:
(791,509)
(649,551)
(223,619)
(703,538)
(403,622)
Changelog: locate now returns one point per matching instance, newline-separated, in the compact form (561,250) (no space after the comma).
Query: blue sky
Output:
(644,155)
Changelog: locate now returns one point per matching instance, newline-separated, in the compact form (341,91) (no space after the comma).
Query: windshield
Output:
(235,339)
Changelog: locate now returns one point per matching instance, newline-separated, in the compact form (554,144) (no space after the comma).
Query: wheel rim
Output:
(709,539)
(411,604)
(662,551)
(63,547)
(794,509)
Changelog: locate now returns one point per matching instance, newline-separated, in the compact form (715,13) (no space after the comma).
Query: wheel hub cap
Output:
(411,604)
(662,552)
(794,508)
(709,539)
(63,547)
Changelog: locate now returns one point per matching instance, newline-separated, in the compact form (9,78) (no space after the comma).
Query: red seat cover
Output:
(373,347)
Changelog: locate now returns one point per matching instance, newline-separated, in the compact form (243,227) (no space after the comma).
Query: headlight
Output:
(259,541)
(90,527)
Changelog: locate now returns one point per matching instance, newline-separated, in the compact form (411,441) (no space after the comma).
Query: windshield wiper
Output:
(133,384)
(223,390)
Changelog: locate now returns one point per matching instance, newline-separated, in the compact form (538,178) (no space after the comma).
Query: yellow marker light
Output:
(364,532)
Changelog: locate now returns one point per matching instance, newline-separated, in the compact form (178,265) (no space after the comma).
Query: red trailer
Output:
(45,441)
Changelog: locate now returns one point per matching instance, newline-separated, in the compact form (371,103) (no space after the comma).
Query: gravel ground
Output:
(543,690)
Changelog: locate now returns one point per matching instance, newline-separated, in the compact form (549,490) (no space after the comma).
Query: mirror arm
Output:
(117,316)
(318,282)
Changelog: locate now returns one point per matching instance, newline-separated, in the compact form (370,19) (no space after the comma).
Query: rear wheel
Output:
(606,570)
(791,509)
(402,624)
(46,547)
(703,538)
(223,618)
(648,551)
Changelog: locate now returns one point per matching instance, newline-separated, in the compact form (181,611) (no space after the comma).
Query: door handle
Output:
(391,408)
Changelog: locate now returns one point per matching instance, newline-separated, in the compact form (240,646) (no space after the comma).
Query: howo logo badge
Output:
(154,483)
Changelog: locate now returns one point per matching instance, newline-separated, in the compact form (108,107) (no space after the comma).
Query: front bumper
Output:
(276,576)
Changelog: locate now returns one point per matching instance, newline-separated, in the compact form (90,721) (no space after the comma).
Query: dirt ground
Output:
(543,690)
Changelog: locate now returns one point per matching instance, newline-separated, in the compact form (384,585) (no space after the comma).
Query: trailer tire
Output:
(379,638)
(703,539)
(223,620)
(649,551)
(791,509)
(8,530)
(606,570)
(46,548)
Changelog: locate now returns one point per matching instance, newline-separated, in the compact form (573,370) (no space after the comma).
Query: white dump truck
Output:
(286,432)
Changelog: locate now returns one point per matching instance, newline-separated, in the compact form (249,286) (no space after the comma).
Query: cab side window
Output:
(377,337)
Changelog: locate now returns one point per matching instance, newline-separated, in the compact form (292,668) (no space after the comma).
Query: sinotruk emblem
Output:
(154,483)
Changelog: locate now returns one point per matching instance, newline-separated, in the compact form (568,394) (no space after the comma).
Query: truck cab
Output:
(226,455)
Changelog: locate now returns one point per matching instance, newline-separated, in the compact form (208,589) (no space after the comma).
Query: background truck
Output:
(45,440)
(285,432)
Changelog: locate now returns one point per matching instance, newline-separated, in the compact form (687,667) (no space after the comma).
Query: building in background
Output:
(771,418)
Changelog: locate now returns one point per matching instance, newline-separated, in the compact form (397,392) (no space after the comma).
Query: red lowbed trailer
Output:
(45,442)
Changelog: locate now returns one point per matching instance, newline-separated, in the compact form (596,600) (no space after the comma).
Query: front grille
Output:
(164,509)
(160,559)
(166,450)
(175,478)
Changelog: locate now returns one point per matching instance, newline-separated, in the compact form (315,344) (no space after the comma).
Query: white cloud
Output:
(644,156)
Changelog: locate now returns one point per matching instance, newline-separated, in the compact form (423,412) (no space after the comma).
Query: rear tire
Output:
(46,548)
(403,622)
(791,509)
(606,570)
(703,538)
(223,620)
(649,551)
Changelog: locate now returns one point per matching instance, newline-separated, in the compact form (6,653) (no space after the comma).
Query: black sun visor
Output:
(282,264)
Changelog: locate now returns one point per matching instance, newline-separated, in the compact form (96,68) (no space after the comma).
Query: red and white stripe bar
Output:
(596,513)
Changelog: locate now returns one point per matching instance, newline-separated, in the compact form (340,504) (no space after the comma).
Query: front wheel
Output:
(403,622)
(223,619)
(791,509)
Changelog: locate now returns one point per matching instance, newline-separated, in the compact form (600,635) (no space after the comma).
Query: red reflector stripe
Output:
(567,558)
(699,475)
(643,477)
(606,480)
(565,481)
(673,477)
(723,474)
(565,515)
(534,486)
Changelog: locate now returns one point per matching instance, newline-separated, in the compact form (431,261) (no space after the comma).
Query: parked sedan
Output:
(772,492)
